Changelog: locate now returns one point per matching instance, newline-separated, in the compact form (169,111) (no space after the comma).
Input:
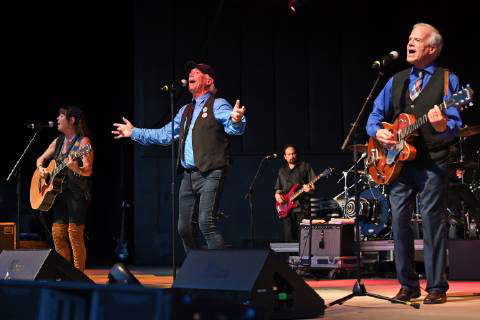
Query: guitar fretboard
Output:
(299,192)
(77,154)
(459,99)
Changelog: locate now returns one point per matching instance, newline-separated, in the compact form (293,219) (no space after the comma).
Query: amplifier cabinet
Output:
(328,240)
(8,236)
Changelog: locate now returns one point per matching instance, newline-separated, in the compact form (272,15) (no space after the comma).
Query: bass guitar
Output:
(384,164)
(285,208)
(43,191)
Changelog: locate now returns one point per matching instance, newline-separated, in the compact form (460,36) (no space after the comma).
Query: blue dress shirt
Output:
(383,106)
(163,136)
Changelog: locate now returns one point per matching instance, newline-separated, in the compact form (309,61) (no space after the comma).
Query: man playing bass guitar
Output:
(419,91)
(294,172)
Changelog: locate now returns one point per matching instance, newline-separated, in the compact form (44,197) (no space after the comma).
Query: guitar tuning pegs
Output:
(470,104)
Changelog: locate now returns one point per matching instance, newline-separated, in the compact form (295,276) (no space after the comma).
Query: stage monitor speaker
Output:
(8,237)
(328,240)
(463,259)
(38,265)
(254,277)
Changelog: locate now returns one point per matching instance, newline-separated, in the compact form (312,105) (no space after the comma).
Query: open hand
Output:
(123,130)
(237,113)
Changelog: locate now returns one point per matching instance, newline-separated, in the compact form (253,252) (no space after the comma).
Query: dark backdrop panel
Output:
(258,77)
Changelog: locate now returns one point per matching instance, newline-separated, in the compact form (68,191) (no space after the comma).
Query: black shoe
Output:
(406,294)
(435,296)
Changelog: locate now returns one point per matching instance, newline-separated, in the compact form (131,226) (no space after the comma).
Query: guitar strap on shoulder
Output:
(446,81)
(62,157)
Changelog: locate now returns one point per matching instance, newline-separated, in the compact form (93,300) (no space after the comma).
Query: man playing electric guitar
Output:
(294,172)
(418,91)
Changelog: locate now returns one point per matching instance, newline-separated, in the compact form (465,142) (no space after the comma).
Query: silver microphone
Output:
(271,156)
(40,125)
(385,60)
(179,84)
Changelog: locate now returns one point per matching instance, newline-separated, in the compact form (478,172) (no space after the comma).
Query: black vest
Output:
(211,145)
(430,144)
(79,185)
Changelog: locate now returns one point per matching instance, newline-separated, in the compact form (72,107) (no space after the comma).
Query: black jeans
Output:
(202,191)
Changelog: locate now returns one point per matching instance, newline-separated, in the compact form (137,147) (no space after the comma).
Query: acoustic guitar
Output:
(43,191)
(285,208)
(384,164)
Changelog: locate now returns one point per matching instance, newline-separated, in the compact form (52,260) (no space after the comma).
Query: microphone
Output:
(270,156)
(40,125)
(385,60)
(179,84)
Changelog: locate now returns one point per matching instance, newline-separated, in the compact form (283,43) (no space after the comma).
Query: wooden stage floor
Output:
(463,297)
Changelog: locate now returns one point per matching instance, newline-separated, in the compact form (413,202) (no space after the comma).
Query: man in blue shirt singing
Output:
(417,91)
(203,128)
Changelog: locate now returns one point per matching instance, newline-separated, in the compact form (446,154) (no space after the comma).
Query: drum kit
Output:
(463,205)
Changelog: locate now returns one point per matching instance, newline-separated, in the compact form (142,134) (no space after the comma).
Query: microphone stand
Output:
(249,197)
(172,187)
(358,289)
(172,90)
(17,169)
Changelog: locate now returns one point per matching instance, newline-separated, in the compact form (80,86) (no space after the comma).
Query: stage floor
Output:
(463,297)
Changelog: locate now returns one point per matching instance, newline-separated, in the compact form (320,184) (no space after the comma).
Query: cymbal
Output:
(467,164)
(359,147)
(469,131)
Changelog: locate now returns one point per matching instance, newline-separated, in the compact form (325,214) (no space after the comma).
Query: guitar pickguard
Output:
(393,153)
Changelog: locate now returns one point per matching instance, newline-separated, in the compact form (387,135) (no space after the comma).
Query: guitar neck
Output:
(419,122)
(299,192)
(60,166)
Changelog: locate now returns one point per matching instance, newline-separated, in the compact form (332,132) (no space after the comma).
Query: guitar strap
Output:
(446,81)
(75,143)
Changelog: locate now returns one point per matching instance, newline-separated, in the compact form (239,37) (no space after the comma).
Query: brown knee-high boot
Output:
(75,232)
(60,240)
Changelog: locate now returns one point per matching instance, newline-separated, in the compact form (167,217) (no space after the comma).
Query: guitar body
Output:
(43,191)
(384,165)
(284,209)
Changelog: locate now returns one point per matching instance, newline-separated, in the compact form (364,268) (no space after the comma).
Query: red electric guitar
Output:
(284,208)
(384,165)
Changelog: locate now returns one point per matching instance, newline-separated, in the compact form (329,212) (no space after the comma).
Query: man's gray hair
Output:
(435,38)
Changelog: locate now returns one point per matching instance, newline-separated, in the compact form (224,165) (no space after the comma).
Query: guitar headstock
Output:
(462,99)
(83,151)
(326,172)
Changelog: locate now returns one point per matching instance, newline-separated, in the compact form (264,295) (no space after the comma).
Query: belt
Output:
(191,170)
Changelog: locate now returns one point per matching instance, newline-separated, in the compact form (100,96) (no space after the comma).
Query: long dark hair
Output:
(80,125)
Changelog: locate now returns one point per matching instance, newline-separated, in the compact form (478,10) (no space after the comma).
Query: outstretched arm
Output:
(162,136)
(232,119)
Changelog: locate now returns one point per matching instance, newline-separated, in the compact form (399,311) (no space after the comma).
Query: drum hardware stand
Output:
(359,289)
(345,186)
